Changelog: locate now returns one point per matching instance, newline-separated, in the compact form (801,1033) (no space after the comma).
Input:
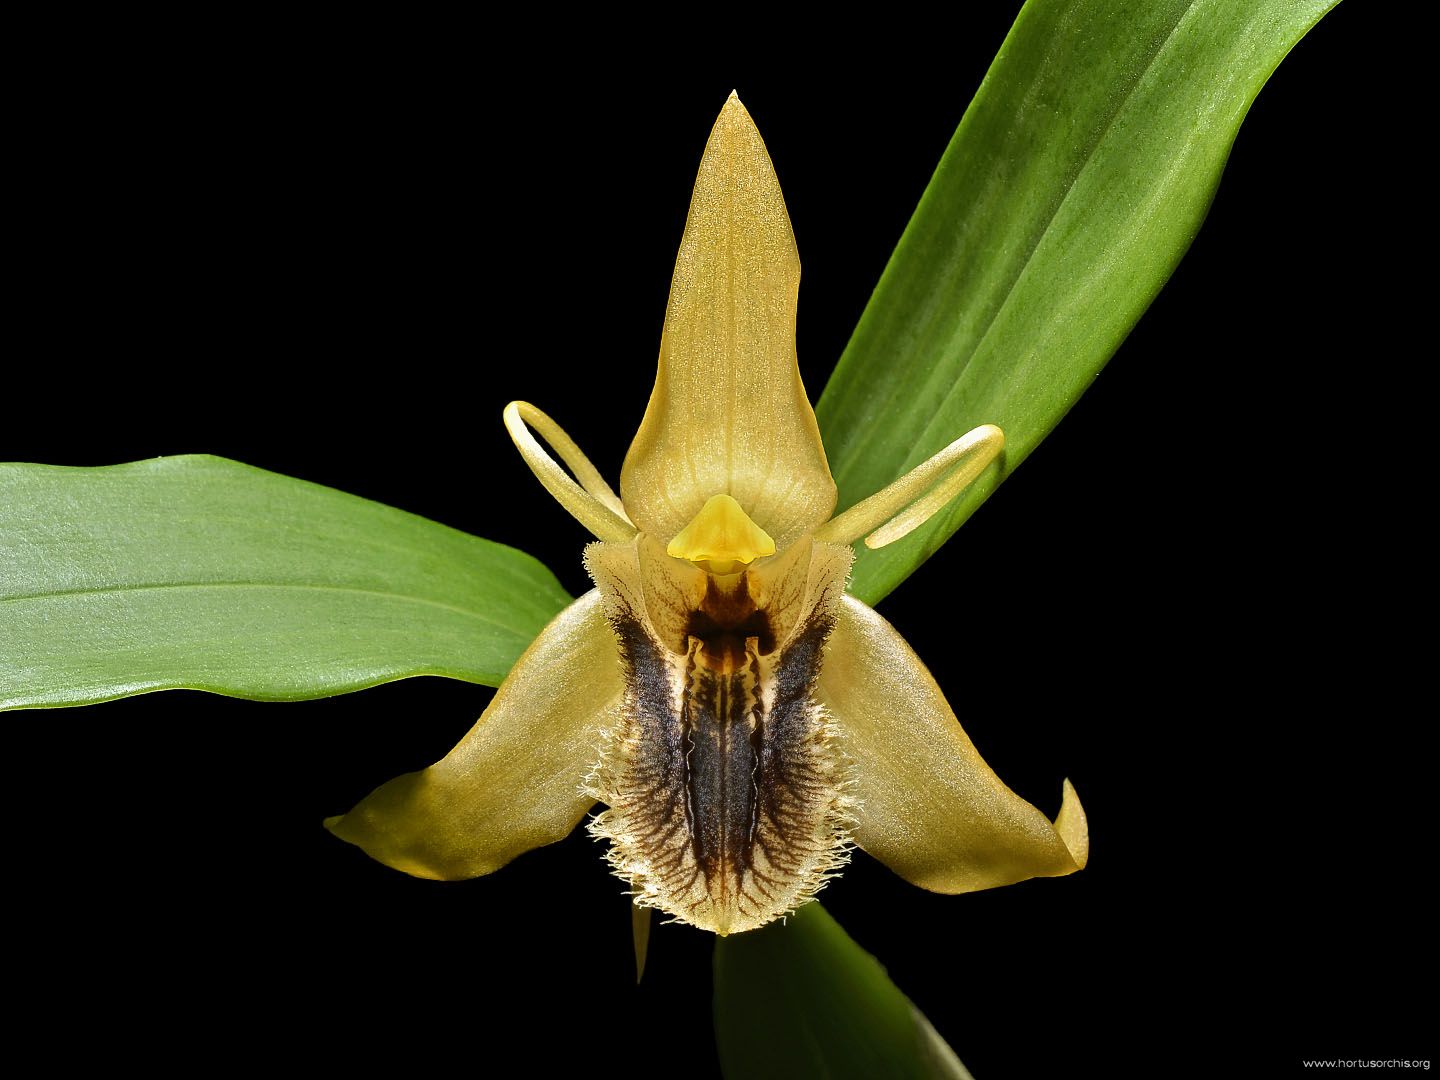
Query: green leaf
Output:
(800,999)
(204,573)
(1076,181)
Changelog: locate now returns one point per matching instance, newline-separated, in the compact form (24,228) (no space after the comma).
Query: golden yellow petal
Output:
(904,505)
(729,414)
(590,501)
(930,808)
(1072,826)
(514,782)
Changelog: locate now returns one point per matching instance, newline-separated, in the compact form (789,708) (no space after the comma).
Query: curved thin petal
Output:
(901,507)
(729,414)
(514,781)
(590,500)
(930,808)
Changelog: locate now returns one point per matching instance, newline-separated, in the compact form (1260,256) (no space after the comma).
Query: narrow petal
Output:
(590,501)
(729,414)
(901,507)
(930,808)
(514,782)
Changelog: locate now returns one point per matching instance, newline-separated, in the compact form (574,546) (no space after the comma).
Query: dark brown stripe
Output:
(729,806)
(721,764)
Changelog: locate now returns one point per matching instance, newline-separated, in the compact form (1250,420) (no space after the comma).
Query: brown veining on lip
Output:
(726,790)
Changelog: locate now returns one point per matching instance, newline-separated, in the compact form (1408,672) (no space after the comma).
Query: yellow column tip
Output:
(721,533)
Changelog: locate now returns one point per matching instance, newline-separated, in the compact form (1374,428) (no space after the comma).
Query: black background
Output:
(337,252)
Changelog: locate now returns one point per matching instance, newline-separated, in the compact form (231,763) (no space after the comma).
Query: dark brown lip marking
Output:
(726,785)
(729,803)
(723,623)
(719,716)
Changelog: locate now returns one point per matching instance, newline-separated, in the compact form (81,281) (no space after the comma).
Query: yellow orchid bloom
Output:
(742,719)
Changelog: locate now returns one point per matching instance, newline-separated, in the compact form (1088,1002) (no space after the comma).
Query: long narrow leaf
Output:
(204,573)
(801,999)
(1076,181)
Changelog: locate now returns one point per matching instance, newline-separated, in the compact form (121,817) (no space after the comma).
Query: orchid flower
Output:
(743,720)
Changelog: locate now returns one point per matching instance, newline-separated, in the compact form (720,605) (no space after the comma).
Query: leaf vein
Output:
(477,615)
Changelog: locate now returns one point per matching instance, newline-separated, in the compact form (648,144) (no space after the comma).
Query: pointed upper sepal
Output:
(514,782)
(729,414)
(930,808)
